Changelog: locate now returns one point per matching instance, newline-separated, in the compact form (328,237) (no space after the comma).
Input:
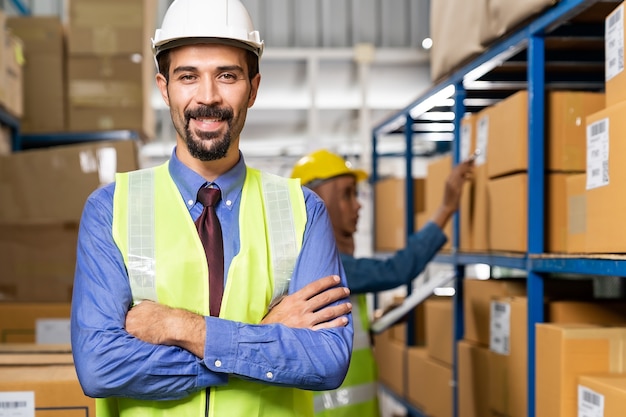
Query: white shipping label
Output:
(52,331)
(482,137)
(614,43)
(107,165)
(598,154)
(17,404)
(500,327)
(465,142)
(590,403)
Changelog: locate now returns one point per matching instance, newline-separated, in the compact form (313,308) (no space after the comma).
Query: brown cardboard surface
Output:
(477,296)
(466,205)
(613,390)
(472,379)
(43,73)
(70,173)
(13,75)
(391,361)
(390,211)
(18,320)
(566,351)
(480,219)
(502,16)
(455,34)
(566,130)
(429,384)
(110,28)
(508,374)
(607,204)
(575,189)
(439,328)
(559,219)
(508,209)
(601,312)
(38,261)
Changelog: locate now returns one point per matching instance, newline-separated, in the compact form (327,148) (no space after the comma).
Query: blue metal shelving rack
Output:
(525,59)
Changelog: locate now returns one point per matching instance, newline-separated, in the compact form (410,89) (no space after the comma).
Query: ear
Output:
(254,89)
(162,85)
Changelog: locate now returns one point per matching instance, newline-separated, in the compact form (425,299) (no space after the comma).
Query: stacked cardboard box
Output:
(110,70)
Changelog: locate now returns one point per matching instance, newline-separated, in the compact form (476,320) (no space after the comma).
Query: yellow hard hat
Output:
(323,165)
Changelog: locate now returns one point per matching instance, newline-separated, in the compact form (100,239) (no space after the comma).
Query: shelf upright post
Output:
(409,218)
(459,270)
(536,185)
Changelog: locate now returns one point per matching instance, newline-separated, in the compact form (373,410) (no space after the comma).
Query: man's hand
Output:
(162,325)
(453,190)
(310,307)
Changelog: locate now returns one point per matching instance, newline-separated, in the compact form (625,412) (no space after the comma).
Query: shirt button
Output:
(218,363)
(269,375)
(228,202)
(190,202)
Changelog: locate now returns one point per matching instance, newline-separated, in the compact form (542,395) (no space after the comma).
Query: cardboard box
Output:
(477,296)
(467,143)
(110,93)
(70,173)
(472,379)
(438,172)
(508,357)
(561,217)
(601,312)
(38,261)
(114,27)
(12,78)
(602,393)
(390,211)
(43,73)
(615,76)
(508,208)
(18,321)
(502,16)
(507,147)
(566,351)
(440,329)
(455,35)
(480,204)
(429,384)
(575,186)
(606,179)
(390,357)
(43,383)
(566,135)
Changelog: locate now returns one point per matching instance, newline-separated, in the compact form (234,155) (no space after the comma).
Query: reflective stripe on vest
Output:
(141,234)
(358,395)
(180,282)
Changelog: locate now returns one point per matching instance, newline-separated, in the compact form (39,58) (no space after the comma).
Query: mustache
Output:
(209,112)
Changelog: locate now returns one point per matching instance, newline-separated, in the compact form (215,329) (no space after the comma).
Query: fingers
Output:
(338,322)
(317,286)
(328,297)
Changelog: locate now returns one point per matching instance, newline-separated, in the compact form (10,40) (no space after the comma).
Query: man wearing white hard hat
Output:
(152,334)
(335,181)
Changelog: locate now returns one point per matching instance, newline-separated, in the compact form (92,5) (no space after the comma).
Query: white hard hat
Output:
(207,21)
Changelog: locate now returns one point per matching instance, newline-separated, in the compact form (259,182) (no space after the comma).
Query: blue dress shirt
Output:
(373,275)
(112,363)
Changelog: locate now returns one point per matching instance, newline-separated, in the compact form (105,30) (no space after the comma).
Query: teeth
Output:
(208,120)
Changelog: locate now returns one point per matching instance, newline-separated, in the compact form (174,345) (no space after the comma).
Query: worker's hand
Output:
(162,325)
(310,307)
(453,190)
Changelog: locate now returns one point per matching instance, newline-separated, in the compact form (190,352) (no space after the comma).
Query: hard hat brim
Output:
(175,43)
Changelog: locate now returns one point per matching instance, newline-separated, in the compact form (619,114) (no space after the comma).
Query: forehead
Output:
(207,55)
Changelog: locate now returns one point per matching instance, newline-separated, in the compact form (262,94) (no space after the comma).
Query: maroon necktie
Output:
(210,233)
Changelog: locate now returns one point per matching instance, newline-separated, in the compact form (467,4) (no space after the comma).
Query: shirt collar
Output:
(189,182)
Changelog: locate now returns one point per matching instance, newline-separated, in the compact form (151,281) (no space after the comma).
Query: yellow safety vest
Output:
(358,395)
(246,296)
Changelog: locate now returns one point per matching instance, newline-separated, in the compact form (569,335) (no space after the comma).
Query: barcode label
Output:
(500,327)
(614,43)
(17,404)
(598,154)
(465,142)
(590,403)
(482,137)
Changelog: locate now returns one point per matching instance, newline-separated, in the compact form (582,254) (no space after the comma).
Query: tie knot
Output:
(209,196)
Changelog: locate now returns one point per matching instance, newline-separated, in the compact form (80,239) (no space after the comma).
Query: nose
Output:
(207,92)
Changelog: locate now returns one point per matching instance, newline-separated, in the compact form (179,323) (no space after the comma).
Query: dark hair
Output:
(163,61)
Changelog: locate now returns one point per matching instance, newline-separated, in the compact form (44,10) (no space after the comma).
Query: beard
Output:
(208,146)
